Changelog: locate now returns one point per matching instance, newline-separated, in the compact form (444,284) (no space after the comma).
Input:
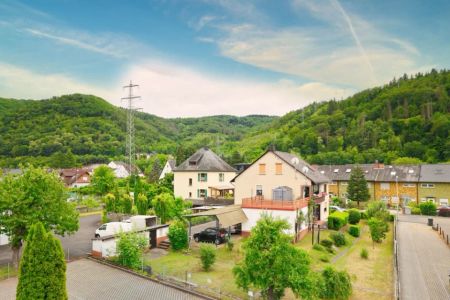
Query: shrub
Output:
(319,247)
(354,230)
(335,284)
(428,208)
(326,243)
(363,215)
(391,218)
(229,244)
(338,238)
(130,248)
(364,253)
(331,250)
(337,220)
(200,220)
(324,258)
(378,229)
(415,211)
(178,235)
(377,209)
(207,256)
(354,216)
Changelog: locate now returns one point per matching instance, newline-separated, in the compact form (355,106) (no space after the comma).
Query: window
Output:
(344,183)
(443,201)
(336,170)
(333,183)
(202,193)
(84,178)
(202,177)
(262,169)
(408,185)
(278,168)
(348,170)
(190,181)
(427,185)
(221,177)
(259,191)
(369,185)
(103,227)
(385,186)
(384,198)
(190,195)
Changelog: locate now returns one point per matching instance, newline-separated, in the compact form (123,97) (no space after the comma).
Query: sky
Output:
(211,57)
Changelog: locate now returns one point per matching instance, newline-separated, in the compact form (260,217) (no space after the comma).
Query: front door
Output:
(153,240)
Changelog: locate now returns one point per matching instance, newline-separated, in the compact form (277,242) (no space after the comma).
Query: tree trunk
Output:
(270,294)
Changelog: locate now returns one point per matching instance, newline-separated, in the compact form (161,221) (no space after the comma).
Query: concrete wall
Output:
(440,192)
(182,188)
(245,184)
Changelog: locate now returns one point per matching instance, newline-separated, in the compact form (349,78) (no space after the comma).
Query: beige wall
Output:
(182,188)
(245,184)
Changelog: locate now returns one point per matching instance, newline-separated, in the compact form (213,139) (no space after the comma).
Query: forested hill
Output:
(81,129)
(409,117)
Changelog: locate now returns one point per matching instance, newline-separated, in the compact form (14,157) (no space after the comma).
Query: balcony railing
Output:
(260,202)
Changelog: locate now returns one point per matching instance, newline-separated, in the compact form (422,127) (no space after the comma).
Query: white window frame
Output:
(409,185)
(221,177)
(385,186)
(427,185)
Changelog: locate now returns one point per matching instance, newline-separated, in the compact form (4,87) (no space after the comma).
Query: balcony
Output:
(262,203)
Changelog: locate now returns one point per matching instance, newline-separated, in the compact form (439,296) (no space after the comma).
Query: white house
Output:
(281,184)
(122,170)
(168,168)
(203,175)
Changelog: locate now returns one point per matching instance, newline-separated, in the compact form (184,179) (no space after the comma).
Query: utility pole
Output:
(131,109)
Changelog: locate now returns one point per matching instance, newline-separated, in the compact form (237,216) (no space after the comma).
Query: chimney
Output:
(378,165)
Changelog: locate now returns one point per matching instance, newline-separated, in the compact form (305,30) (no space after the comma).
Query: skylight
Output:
(410,171)
(336,170)
(348,170)
(393,173)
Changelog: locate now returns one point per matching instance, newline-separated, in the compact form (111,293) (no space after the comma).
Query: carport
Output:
(225,217)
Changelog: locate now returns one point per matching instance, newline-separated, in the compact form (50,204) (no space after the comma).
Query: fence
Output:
(442,234)
(396,268)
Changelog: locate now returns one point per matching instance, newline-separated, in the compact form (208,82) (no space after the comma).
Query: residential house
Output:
(76,177)
(281,184)
(434,183)
(203,175)
(123,170)
(168,168)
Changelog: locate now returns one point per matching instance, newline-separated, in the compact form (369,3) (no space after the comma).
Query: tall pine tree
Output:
(357,186)
(42,272)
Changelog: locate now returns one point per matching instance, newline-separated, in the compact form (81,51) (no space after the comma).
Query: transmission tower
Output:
(131,109)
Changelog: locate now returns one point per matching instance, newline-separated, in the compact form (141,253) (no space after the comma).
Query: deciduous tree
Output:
(103,180)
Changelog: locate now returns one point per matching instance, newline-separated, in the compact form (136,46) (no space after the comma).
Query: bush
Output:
(318,247)
(200,220)
(364,253)
(207,256)
(229,244)
(324,258)
(428,208)
(338,238)
(391,218)
(354,216)
(363,215)
(326,243)
(105,217)
(337,220)
(335,284)
(354,230)
(415,211)
(130,248)
(178,235)
(377,209)
(378,229)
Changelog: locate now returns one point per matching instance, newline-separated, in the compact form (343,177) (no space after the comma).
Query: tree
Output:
(357,186)
(103,180)
(178,235)
(272,263)
(130,248)
(377,209)
(142,204)
(35,196)
(378,229)
(163,206)
(207,256)
(335,284)
(42,272)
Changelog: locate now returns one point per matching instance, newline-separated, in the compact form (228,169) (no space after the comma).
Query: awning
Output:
(222,187)
(227,216)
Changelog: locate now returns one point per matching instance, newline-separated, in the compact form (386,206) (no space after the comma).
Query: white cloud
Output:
(18,82)
(172,91)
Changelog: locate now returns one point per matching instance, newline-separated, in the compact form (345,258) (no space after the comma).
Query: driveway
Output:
(75,246)
(424,259)
(88,279)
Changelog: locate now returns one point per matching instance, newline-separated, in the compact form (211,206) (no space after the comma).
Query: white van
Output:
(112,228)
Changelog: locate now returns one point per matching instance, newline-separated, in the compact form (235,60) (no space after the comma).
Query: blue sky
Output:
(207,57)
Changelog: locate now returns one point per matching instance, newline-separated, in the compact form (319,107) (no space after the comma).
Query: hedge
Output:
(354,230)
(428,208)
(338,238)
(354,216)
(326,243)
(337,220)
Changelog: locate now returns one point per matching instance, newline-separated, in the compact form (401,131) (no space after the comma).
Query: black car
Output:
(211,235)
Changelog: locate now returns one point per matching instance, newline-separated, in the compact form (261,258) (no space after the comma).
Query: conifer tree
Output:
(42,272)
(357,186)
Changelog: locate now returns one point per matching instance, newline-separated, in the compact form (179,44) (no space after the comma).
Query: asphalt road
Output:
(75,245)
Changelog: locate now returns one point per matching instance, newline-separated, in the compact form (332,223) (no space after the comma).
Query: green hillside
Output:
(409,117)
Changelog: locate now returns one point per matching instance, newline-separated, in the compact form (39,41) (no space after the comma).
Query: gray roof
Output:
(204,160)
(435,173)
(303,167)
(373,172)
(172,163)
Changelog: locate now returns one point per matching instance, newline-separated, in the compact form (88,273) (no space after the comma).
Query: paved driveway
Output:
(424,260)
(87,280)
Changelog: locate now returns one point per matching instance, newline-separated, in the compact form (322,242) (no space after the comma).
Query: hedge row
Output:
(337,220)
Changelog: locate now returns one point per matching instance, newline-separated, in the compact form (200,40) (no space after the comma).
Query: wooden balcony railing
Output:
(260,202)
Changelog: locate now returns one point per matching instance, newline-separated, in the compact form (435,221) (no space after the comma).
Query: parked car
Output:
(334,208)
(112,228)
(443,211)
(211,235)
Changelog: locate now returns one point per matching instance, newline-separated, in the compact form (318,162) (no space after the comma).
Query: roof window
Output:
(336,170)
(348,170)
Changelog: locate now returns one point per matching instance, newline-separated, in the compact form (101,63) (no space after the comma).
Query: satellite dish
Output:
(295,161)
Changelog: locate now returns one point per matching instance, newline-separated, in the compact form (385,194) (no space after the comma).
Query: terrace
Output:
(280,204)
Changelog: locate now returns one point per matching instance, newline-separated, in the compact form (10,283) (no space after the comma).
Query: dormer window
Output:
(192,163)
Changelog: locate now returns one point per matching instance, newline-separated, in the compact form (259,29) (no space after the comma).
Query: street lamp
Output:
(398,199)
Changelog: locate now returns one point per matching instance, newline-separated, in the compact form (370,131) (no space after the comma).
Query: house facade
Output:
(434,184)
(203,175)
(76,177)
(122,170)
(281,184)
(168,168)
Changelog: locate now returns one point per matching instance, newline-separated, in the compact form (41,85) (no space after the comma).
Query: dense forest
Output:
(407,120)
